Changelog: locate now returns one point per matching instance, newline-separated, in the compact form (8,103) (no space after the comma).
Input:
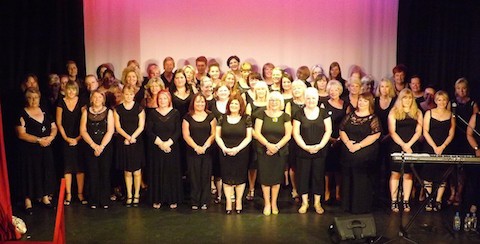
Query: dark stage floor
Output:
(144,224)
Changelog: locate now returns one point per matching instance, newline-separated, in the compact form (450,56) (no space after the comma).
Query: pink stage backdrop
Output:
(287,33)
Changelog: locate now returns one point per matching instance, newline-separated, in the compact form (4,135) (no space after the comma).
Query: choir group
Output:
(223,132)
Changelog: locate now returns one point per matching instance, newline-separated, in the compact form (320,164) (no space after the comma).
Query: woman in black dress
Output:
(164,131)
(255,108)
(36,131)
(312,127)
(405,122)
(97,127)
(438,130)
(69,112)
(198,129)
(273,130)
(233,136)
(359,132)
(182,94)
(336,109)
(463,106)
(130,152)
(219,108)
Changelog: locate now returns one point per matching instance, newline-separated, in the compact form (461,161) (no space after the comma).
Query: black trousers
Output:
(310,172)
(356,188)
(200,172)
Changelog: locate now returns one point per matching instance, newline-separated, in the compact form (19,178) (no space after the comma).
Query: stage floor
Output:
(120,224)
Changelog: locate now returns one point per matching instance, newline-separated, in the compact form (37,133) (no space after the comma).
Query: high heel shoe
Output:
(136,201)
(406,206)
(129,201)
(394,207)
(82,199)
(228,212)
(68,199)
(239,211)
(303,208)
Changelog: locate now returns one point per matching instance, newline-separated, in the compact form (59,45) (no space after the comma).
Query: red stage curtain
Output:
(7,230)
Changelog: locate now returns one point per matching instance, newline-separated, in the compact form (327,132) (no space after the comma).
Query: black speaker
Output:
(353,228)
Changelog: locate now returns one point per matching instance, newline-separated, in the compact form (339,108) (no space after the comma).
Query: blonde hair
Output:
(135,70)
(261,84)
(397,110)
(391,90)
(276,95)
(334,83)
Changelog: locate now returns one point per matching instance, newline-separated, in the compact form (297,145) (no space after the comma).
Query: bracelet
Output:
(278,148)
(360,144)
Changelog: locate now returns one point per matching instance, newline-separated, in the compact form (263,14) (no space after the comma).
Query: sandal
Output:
(136,201)
(394,207)
(318,208)
(250,195)
(437,207)
(406,206)
(82,199)
(129,201)
(67,200)
(429,207)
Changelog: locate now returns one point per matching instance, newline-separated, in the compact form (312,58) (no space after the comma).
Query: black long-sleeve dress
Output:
(164,170)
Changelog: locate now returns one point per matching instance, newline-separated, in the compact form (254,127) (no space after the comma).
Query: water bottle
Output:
(467,223)
(456,222)
(474,222)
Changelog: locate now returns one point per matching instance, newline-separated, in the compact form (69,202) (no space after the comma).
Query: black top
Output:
(273,129)
(164,126)
(234,134)
(311,131)
(71,119)
(181,104)
(215,111)
(438,130)
(358,128)
(97,125)
(129,118)
(199,131)
(34,127)
(405,129)
(337,116)
(383,114)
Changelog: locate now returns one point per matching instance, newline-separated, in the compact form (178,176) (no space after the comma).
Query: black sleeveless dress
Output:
(439,132)
(71,125)
(405,129)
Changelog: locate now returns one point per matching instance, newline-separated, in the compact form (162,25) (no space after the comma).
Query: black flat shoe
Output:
(136,201)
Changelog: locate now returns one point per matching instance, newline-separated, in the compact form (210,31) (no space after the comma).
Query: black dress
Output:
(271,168)
(98,167)
(463,111)
(37,163)
(164,171)
(405,128)
(234,168)
(439,133)
(129,157)
(71,125)
(357,183)
(182,106)
(256,111)
(334,150)
(214,148)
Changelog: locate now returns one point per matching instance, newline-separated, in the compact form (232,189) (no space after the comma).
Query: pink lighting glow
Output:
(288,33)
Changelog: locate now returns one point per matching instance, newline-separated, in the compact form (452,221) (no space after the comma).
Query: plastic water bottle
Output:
(467,223)
(456,222)
(474,222)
